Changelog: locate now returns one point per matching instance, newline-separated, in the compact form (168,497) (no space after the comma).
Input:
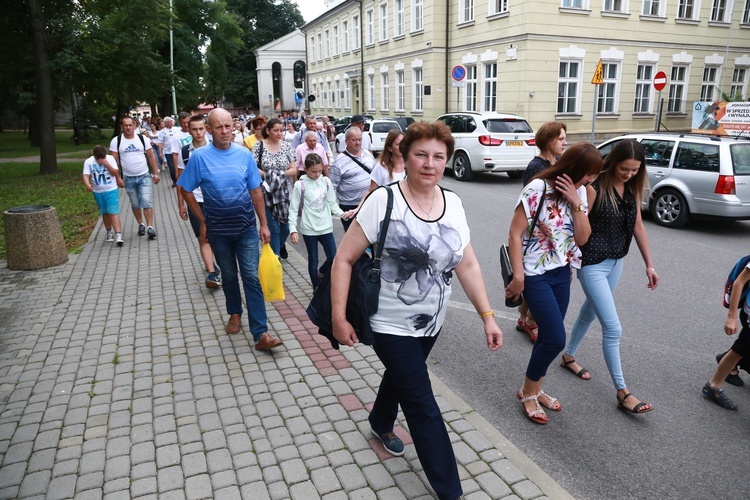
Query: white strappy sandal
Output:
(537,416)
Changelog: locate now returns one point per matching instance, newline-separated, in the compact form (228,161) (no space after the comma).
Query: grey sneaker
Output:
(110,236)
(213,281)
(119,240)
(719,397)
(141,229)
(151,233)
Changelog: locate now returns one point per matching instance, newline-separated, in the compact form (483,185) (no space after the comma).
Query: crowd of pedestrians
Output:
(240,187)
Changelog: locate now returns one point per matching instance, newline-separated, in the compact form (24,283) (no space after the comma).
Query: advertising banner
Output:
(721,118)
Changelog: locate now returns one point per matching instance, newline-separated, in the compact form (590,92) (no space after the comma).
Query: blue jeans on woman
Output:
(407,383)
(329,248)
(547,296)
(598,282)
(279,231)
(230,251)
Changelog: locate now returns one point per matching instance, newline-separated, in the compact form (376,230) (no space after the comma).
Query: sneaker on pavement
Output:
(151,233)
(119,239)
(110,236)
(283,253)
(213,281)
(141,229)
(719,397)
(391,442)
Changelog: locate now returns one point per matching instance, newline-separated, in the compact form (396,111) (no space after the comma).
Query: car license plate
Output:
(515,143)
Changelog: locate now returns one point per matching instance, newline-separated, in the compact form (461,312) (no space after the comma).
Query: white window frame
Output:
(470,101)
(398,18)
(678,86)
(644,88)
(355,33)
(338,100)
(567,80)
(465,11)
(417,15)
(655,8)
(574,4)
(312,48)
(383,25)
(385,90)
(329,99)
(746,13)
(315,93)
(369,27)
(721,11)
(336,40)
(418,89)
(327,34)
(489,82)
(497,7)
(320,47)
(345,36)
(608,91)
(709,84)
(347,94)
(619,6)
(371,92)
(739,82)
(691,7)
(400,92)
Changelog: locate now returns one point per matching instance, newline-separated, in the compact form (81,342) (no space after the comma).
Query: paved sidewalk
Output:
(118,381)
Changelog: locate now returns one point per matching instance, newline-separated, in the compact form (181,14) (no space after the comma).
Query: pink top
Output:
(303,151)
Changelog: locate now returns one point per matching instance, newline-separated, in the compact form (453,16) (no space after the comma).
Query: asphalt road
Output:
(687,447)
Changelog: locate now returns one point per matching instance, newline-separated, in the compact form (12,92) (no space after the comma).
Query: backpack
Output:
(143,143)
(736,270)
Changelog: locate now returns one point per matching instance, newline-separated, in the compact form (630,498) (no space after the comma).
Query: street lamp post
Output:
(171,59)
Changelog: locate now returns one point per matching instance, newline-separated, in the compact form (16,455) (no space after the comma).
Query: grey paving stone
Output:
(62,487)
(527,490)
(140,471)
(194,463)
(36,483)
(94,480)
(278,490)
(12,474)
(65,467)
(507,471)
(378,477)
(464,453)
(198,487)
(255,491)
(294,471)
(351,477)
(223,479)
(118,446)
(41,460)
(325,480)
(493,485)
(142,452)
(143,487)
(219,460)
(170,478)
(92,462)
(303,491)
(229,493)
(491,455)
(478,495)
(214,440)
(410,484)
(477,441)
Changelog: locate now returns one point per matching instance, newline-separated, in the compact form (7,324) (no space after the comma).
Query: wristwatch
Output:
(580,208)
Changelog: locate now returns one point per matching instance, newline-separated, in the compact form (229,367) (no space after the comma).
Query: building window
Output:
(345,35)
(383,22)
(471,89)
(320,47)
(418,89)
(369,28)
(568,83)
(574,4)
(708,87)
(465,11)
(677,91)
(328,44)
(329,98)
(719,11)
(416,15)
(653,8)
(337,96)
(746,13)
(315,93)
(384,92)
(606,101)
(371,92)
(335,40)
(739,84)
(400,92)
(686,9)
(643,82)
(312,48)
(347,94)
(355,31)
(398,17)
(616,6)
(490,87)
(498,7)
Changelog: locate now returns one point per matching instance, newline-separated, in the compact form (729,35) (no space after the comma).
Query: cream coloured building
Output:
(533,58)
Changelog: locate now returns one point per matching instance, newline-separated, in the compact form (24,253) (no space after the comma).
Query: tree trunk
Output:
(44,90)
(122,110)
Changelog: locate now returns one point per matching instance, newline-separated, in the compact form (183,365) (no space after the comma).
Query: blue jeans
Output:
(140,189)
(155,147)
(547,296)
(406,382)
(230,251)
(279,231)
(329,247)
(170,164)
(598,282)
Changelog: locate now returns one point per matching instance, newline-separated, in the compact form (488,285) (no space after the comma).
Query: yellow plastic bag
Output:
(271,275)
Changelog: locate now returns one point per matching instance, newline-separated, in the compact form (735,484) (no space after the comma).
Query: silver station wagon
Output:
(694,176)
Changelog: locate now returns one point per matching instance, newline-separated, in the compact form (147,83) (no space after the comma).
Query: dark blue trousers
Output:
(547,296)
(406,382)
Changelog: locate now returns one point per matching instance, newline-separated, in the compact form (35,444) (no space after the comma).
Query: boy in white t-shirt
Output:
(101,177)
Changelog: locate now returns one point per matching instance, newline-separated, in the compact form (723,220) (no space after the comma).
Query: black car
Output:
(403,121)
(343,122)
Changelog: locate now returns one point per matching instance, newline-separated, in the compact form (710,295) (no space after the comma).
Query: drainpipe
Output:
(361,57)
(447,55)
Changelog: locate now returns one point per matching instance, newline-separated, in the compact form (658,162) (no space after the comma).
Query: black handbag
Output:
(364,289)
(506,269)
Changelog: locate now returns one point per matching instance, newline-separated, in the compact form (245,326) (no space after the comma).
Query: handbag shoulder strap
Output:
(536,217)
(383,229)
(357,161)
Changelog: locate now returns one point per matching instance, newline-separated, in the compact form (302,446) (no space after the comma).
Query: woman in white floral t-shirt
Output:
(546,257)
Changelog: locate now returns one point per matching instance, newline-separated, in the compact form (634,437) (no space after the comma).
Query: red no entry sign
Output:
(660,81)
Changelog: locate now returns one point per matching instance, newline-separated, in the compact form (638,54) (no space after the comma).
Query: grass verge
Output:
(22,185)
(15,144)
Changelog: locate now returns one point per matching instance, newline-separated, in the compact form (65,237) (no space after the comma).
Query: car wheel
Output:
(462,167)
(516,174)
(670,209)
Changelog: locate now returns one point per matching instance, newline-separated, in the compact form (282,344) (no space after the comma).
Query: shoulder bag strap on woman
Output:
(375,272)
(536,218)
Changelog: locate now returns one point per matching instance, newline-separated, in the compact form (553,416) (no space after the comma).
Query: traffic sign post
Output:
(597,80)
(660,81)
(458,73)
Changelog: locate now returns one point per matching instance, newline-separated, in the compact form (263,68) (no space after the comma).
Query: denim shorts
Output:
(108,201)
(140,190)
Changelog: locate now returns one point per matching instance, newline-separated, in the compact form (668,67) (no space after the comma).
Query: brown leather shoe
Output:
(234,325)
(267,342)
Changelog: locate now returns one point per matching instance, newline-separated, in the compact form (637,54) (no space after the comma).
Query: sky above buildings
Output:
(310,9)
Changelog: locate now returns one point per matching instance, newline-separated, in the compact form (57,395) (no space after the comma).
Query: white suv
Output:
(490,142)
(379,131)
(694,175)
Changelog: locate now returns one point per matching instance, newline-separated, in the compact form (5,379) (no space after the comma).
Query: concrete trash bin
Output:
(33,238)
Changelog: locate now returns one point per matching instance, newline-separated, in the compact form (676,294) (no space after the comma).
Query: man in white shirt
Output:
(350,173)
(180,139)
(134,154)
(165,148)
